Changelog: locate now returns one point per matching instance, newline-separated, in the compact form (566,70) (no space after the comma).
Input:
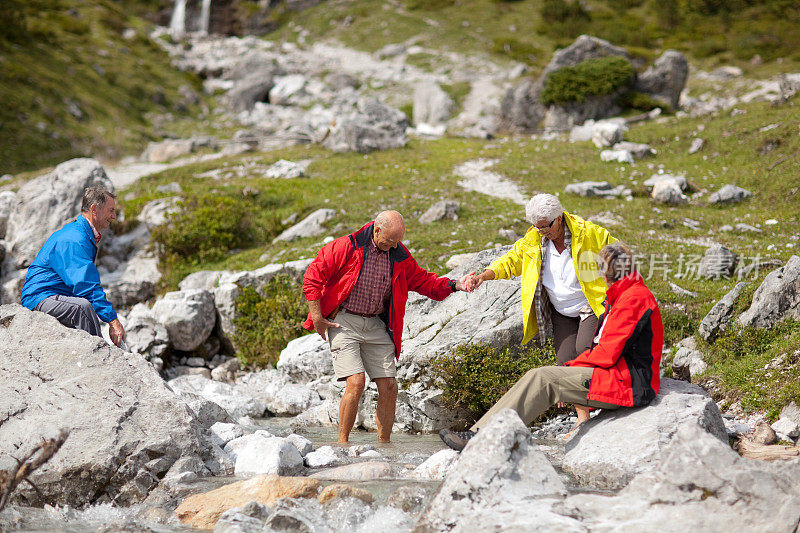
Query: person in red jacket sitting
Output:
(621,369)
(362,281)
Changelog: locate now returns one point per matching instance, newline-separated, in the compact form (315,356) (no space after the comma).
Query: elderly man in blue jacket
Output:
(63,280)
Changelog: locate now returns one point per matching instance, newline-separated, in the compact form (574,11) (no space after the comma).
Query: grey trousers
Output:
(543,387)
(572,336)
(76,313)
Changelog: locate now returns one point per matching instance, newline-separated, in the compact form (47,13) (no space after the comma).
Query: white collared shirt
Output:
(561,282)
(96,233)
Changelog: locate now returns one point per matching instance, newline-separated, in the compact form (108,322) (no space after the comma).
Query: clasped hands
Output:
(469,282)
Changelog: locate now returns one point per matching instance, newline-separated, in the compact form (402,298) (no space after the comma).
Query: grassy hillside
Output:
(72,85)
(529,30)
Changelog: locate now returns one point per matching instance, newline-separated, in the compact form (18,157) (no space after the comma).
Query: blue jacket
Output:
(65,266)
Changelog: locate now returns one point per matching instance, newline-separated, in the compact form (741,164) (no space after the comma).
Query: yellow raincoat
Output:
(525,259)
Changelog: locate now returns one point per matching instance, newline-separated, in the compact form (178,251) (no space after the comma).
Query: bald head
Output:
(389,230)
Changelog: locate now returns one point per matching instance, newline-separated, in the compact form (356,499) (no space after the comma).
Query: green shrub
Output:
(592,77)
(640,101)
(267,321)
(204,229)
(475,376)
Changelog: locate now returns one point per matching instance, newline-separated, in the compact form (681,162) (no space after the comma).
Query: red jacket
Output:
(334,272)
(627,358)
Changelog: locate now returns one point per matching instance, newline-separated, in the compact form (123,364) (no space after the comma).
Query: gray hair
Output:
(543,207)
(95,196)
(387,219)
(616,261)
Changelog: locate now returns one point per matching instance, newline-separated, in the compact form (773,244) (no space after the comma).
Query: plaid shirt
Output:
(374,285)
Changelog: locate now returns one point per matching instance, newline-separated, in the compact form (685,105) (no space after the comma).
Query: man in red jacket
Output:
(362,281)
(620,370)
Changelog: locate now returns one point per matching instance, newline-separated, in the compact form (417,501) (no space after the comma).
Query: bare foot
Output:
(572,431)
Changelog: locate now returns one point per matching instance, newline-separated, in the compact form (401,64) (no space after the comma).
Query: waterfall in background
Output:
(205,14)
(177,24)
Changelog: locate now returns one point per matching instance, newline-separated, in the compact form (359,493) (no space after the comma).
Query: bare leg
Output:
(583,413)
(387,401)
(348,406)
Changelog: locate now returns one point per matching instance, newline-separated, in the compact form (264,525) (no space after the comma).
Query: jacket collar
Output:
(576,225)
(87,228)
(619,287)
(361,238)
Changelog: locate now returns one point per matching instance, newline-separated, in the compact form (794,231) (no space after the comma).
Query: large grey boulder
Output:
(262,453)
(565,116)
(499,471)
(144,334)
(489,315)
(665,80)
(127,428)
(132,282)
(288,90)
(157,212)
(777,298)
(444,209)
(669,192)
(585,47)
(7,201)
(419,409)
(46,203)
(717,262)
(264,385)
(520,109)
(688,360)
(306,358)
(596,189)
(698,484)
(251,89)
(189,317)
(609,450)
(729,194)
(432,105)
(310,226)
(235,403)
(717,319)
(373,126)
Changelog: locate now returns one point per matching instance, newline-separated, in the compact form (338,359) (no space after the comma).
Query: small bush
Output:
(592,77)
(640,101)
(266,322)
(205,229)
(475,376)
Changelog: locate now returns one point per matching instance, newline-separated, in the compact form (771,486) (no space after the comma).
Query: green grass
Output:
(759,369)
(71,85)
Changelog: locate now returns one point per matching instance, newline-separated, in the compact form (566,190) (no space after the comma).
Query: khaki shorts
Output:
(361,344)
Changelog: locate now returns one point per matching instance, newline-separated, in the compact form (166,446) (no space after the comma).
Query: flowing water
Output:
(404,453)
(177,23)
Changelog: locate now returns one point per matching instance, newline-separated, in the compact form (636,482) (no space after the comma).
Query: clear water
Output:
(404,453)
